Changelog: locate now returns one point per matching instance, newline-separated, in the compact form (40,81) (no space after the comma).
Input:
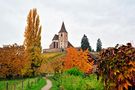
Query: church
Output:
(59,41)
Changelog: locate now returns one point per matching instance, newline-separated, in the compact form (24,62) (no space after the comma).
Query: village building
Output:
(60,41)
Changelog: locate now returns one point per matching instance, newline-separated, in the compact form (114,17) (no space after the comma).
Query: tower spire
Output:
(63,29)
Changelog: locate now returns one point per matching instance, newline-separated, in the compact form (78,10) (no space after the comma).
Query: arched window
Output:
(61,35)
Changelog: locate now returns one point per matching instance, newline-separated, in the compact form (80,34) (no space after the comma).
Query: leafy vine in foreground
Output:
(117,67)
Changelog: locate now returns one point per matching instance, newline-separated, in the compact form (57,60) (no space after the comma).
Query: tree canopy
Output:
(32,41)
(99,45)
(85,43)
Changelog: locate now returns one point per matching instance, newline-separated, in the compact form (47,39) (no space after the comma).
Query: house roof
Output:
(63,29)
(56,37)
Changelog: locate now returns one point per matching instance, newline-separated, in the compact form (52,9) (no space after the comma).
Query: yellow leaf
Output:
(128,83)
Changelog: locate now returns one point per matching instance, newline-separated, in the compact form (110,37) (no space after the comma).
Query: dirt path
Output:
(48,85)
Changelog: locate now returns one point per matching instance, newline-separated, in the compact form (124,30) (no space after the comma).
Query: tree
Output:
(85,43)
(79,59)
(99,45)
(32,40)
(12,61)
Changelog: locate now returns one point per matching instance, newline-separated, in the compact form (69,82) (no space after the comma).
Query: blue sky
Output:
(111,20)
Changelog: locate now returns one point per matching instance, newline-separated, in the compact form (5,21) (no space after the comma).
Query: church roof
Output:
(70,45)
(56,37)
(63,29)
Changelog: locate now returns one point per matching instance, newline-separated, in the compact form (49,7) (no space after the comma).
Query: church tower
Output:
(63,37)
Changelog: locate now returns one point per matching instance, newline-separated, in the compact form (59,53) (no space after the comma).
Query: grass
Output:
(71,82)
(38,86)
(28,84)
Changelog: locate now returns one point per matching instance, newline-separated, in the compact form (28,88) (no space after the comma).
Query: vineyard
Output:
(117,67)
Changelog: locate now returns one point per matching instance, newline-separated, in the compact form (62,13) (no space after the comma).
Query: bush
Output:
(73,80)
(75,72)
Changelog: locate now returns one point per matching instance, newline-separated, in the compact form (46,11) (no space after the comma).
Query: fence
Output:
(22,84)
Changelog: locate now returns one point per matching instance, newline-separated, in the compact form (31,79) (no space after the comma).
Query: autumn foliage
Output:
(79,59)
(32,41)
(12,62)
(117,67)
(16,61)
(52,65)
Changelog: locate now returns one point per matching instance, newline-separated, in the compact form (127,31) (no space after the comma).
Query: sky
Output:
(113,21)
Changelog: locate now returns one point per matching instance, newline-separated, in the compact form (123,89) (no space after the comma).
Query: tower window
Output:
(61,35)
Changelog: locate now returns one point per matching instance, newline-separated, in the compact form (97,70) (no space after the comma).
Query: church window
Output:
(61,35)
(54,45)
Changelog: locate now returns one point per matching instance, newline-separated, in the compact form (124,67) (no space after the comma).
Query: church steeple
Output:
(63,29)
(60,41)
(63,37)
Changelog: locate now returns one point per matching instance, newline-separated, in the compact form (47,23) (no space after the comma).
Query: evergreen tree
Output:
(32,41)
(99,45)
(85,43)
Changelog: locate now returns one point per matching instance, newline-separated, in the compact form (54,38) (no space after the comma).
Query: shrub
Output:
(72,82)
(74,71)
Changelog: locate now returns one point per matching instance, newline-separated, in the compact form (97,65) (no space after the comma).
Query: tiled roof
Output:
(56,37)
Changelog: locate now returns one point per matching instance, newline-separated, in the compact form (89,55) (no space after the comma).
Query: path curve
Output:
(48,85)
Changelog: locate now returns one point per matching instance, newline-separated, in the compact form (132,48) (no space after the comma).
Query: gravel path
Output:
(48,85)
